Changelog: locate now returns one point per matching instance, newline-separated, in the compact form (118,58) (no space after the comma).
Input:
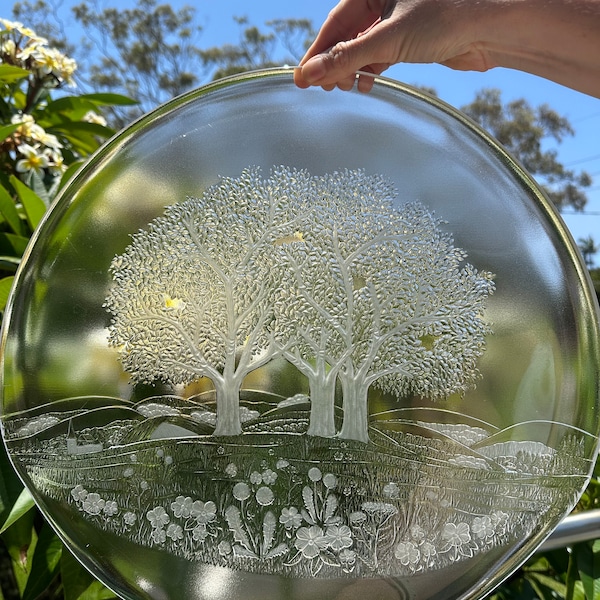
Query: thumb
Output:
(369,52)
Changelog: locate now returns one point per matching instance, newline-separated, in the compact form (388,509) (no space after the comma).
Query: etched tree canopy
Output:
(325,271)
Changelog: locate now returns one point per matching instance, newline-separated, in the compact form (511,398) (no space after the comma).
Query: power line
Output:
(582,160)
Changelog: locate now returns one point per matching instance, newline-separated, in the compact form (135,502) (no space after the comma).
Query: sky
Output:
(580,152)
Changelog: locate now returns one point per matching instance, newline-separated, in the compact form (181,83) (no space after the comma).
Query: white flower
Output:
(175,532)
(310,541)
(94,117)
(338,537)
(110,508)
(204,512)
(456,535)
(93,504)
(224,548)
(158,517)
(33,160)
(391,490)
(241,491)
(129,518)
(231,470)
(483,527)
(330,481)
(159,536)
(269,477)
(79,493)
(290,518)
(255,478)
(264,496)
(182,506)
(407,553)
(314,474)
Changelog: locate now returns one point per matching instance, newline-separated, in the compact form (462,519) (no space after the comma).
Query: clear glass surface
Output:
(274,343)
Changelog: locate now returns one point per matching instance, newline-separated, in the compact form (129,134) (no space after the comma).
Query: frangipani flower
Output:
(33,160)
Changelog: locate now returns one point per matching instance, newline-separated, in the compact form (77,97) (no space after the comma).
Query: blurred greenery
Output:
(46,133)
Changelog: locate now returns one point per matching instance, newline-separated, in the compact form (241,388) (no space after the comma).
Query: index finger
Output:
(345,22)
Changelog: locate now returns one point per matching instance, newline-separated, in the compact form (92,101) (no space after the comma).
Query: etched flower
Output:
(417,534)
(290,518)
(159,536)
(255,478)
(93,504)
(128,472)
(79,493)
(175,532)
(310,541)
(314,474)
(391,490)
(428,552)
(158,517)
(269,477)
(224,548)
(383,509)
(231,470)
(500,521)
(456,535)
(330,481)
(129,518)
(264,496)
(357,518)
(110,508)
(241,491)
(182,506)
(204,512)
(483,528)
(200,532)
(407,553)
(338,537)
(347,558)
(282,464)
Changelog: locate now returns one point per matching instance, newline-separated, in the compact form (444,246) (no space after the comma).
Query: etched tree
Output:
(377,295)
(191,294)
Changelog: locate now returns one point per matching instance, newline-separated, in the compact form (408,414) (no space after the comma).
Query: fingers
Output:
(352,38)
(345,21)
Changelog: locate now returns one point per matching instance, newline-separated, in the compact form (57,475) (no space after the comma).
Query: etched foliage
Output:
(324,271)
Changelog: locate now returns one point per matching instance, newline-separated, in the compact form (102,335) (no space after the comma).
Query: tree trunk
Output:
(322,404)
(228,406)
(356,409)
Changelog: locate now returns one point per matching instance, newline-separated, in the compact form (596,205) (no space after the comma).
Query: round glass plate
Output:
(274,343)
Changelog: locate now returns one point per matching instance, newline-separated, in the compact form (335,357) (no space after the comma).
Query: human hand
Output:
(371,35)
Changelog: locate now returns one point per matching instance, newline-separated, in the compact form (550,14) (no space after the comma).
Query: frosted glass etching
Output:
(351,294)
(321,271)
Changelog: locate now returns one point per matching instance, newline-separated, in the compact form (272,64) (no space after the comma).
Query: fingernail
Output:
(314,69)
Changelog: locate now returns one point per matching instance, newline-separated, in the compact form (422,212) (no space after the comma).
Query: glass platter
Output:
(274,343)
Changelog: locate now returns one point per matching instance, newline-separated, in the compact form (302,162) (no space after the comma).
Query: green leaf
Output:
(10,73)
(109,99)
(33,204)
(9,211)
(45,563)
(6,130)
(78,583)
(5,287)
(12,245)
(588,564)
(23,505)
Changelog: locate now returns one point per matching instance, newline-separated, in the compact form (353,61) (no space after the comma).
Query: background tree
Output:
(522,129)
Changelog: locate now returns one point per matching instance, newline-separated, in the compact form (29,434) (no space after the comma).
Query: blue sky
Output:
(457,88)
